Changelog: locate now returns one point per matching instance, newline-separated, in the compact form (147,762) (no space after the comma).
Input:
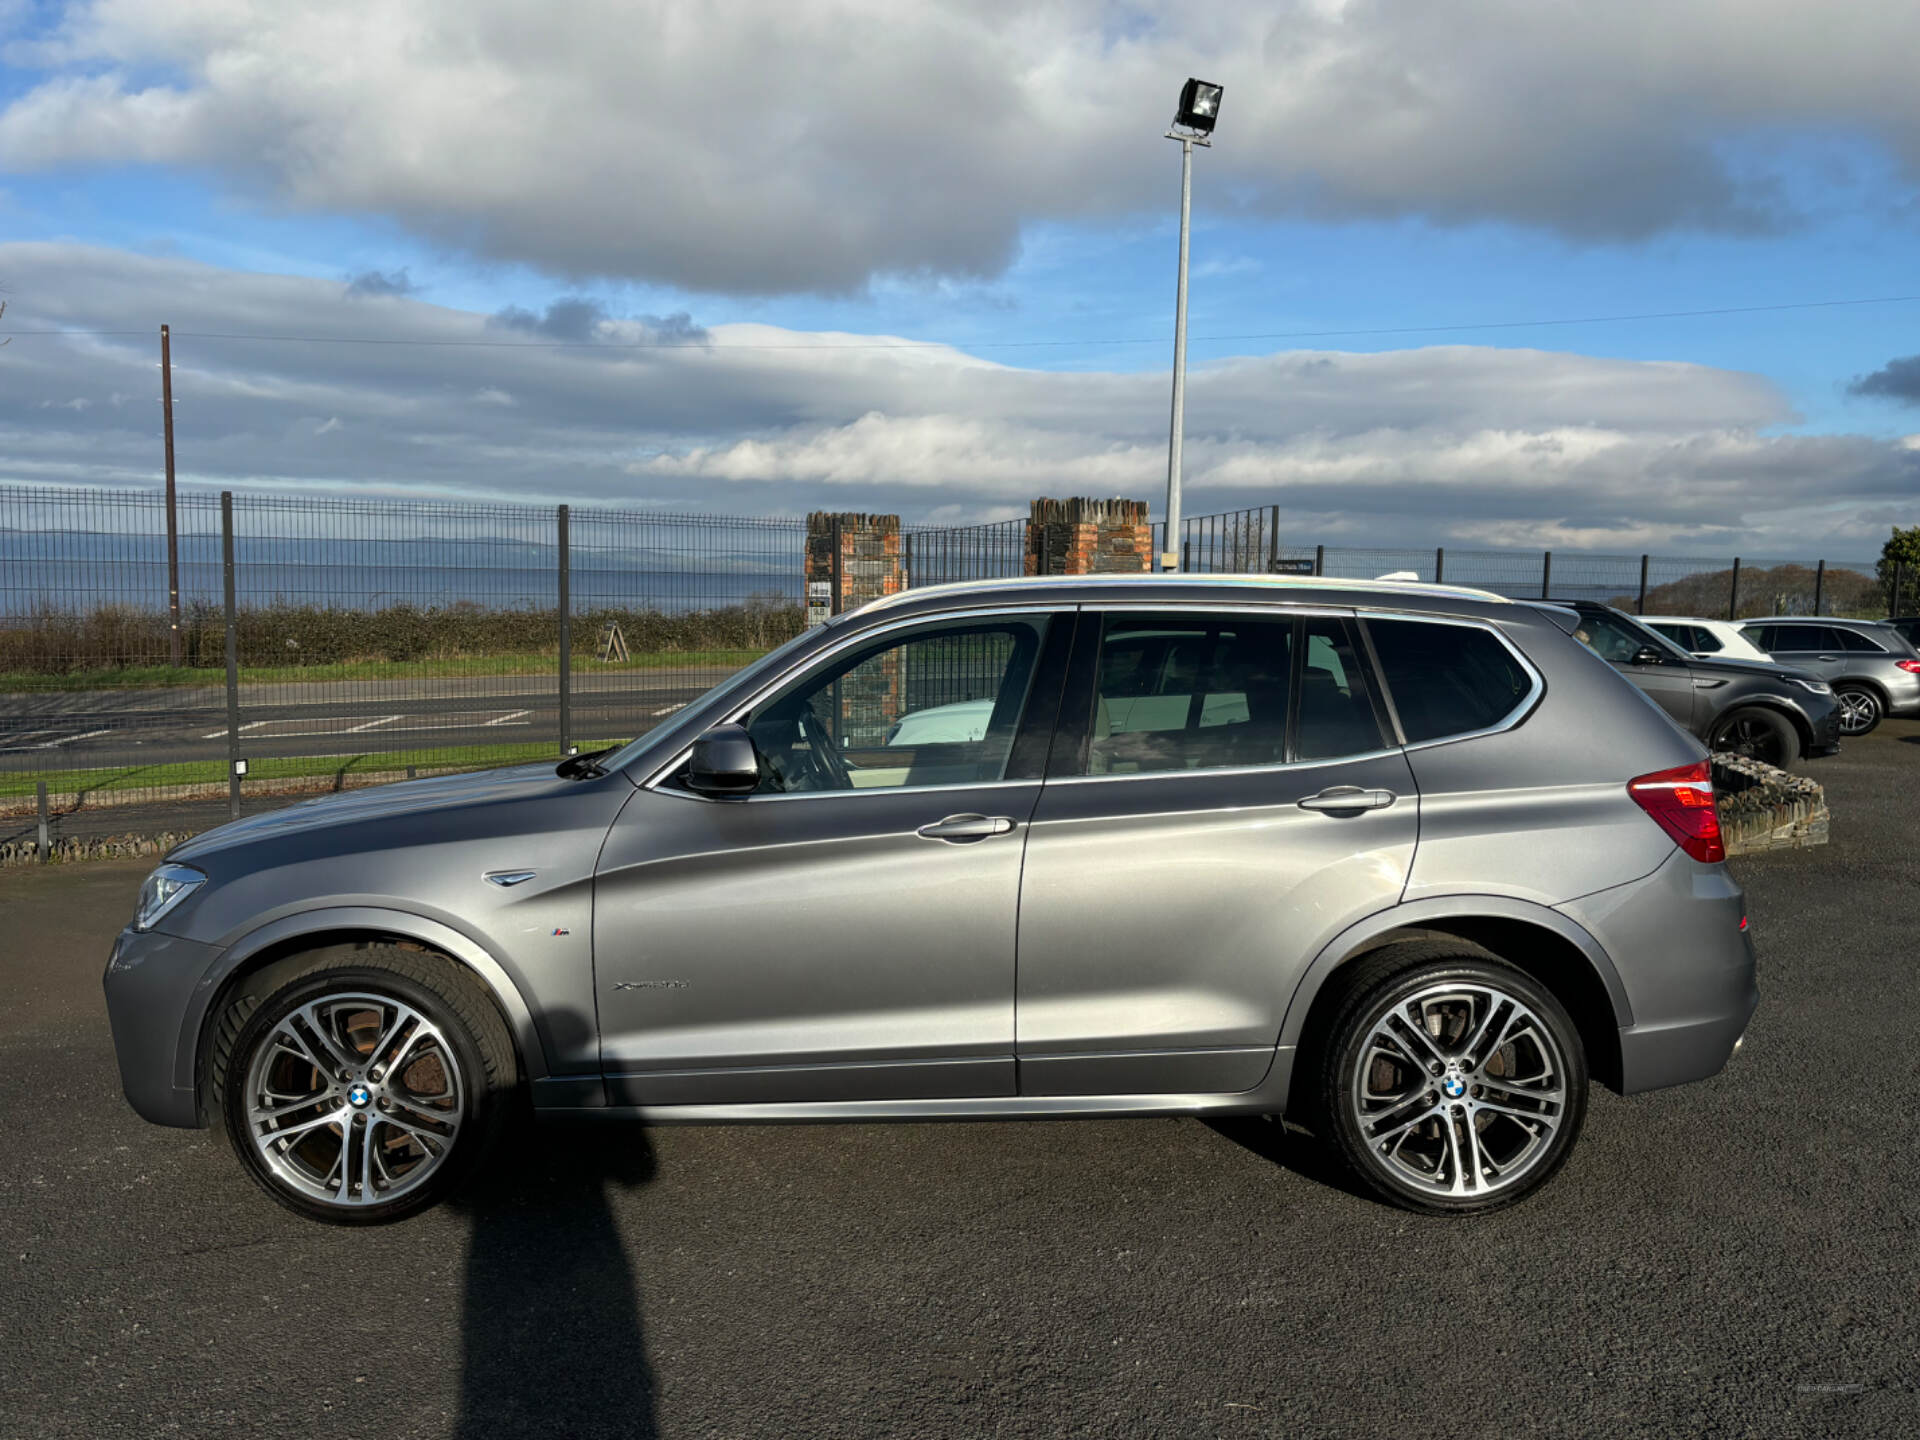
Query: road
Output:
(1736,1257)
(78,729)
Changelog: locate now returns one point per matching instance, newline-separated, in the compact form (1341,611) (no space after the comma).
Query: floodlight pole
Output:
(1170,556)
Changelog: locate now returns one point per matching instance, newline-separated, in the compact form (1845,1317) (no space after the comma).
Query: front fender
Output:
(336,921)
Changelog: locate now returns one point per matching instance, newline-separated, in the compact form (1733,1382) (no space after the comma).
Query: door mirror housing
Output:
(1649,655)
(724,762)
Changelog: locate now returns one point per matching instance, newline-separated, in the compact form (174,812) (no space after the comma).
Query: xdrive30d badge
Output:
(1406,864)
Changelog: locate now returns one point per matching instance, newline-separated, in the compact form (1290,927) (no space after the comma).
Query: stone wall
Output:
(1763,808)
(1089,537)
(867,563)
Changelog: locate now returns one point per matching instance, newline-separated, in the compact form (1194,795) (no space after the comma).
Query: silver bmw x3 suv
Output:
(1406,864)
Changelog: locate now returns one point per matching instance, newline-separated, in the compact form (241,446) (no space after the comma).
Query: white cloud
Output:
(1443,445)
(766,146)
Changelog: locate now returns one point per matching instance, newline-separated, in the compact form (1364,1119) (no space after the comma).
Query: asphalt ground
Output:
(1739,1257)
(63,730)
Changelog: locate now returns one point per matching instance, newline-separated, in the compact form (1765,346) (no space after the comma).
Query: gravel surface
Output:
(1737,1257)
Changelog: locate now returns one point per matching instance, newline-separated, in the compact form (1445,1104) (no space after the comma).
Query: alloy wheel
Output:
(1859,711)
(1459,1090)
(354,1099)
(1753,736)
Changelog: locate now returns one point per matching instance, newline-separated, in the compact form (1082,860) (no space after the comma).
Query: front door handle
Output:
(959,828)
(1341,798)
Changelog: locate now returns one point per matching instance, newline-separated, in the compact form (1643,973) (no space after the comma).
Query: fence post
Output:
(173,507)
(906,561)
(1733,592)
(1641,608)
(235,765)
(1439,564)
(565,577)
(1546,574)
(833,605)
(1273,539)
(1899,586)
(1819,585)
(44,843)
(1319,559)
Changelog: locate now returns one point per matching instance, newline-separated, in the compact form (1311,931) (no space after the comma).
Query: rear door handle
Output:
(1340,798)
(967,827)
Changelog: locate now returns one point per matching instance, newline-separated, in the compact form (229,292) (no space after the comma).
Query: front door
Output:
(1222,800)
(1667,682)
(847,931)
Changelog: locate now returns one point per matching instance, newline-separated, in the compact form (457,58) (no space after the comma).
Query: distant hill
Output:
(1782,590)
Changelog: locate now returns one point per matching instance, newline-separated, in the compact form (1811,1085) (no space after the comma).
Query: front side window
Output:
(1799,637)
(936,706)
(1614,638)
(1705,641)
(1447,679)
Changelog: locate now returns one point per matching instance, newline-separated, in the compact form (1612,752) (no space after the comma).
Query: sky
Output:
(1449,262)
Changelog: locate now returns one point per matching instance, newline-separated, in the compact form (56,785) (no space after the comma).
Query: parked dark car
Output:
(1767,712)
(1908,626)
(1874,669)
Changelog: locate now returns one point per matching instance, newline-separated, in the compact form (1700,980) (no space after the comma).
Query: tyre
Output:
(1763,735)
(1449,1082)
(1860,708)
(362,1084)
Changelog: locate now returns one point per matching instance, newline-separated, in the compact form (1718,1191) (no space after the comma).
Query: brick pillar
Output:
(1089,537)
(867,564)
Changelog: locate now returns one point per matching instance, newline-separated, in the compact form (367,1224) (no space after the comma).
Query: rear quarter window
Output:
(1447,679)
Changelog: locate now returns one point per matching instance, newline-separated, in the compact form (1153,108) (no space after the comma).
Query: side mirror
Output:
(1648,655)
(724,762)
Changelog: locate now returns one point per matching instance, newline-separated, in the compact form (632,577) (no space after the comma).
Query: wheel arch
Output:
(1867,682)
(1543,943)
(1802,727)
(315,930)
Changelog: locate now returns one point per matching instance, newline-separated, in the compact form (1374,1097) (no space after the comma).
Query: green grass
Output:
(298,767)
(154,677)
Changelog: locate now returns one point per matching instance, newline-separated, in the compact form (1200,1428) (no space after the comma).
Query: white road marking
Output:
(221,734)
(56,743)
(372,724)
(667,709)
(510,717)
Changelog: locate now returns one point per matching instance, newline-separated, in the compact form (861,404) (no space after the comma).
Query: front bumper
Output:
(149,982)
(1687,965)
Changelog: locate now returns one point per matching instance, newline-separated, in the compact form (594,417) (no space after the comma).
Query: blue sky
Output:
(1718,177)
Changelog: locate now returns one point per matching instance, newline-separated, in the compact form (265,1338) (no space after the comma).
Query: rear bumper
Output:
(1688,969)
(149,981)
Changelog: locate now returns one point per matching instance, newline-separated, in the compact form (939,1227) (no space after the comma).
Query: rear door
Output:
(1222,798)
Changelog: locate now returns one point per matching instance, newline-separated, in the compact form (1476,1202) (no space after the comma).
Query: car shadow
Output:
(552,1335)
(1293,1149)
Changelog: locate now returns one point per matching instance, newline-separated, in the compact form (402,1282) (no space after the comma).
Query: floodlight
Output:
(1199,106)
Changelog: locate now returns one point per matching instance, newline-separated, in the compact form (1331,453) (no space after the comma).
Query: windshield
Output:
(768,663)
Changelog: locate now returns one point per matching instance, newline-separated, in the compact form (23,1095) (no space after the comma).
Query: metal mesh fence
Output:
(994,551)
(374,639)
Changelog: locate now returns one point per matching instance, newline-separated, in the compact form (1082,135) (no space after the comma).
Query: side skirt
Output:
(1268,1098)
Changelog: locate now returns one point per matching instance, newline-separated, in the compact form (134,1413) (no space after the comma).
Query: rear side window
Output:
(1761,635)
(1855,641)
(1447,679)
(1176,693)
(1800,637)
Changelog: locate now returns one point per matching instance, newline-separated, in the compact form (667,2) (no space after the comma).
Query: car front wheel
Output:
(1759,735)
(362,1084)
(1450,1082)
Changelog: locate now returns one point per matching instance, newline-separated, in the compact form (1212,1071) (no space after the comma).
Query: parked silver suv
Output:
(1873,668)
(1406,863)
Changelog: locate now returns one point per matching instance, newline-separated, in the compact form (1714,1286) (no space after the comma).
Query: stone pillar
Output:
(1089,537)
(864,564)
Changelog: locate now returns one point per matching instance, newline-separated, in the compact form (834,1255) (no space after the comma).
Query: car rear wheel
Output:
(1757,734)
(362,1084)
(1860,708)
(1450,1082)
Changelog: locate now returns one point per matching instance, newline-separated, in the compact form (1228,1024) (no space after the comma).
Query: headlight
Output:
(1818,687)
(165,888)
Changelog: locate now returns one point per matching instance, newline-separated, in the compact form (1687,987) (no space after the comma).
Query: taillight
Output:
(1912,667)
(1681,802)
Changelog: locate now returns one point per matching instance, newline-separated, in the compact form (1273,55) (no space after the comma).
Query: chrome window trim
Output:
(1227,770)
(1527,704)
(820,657)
